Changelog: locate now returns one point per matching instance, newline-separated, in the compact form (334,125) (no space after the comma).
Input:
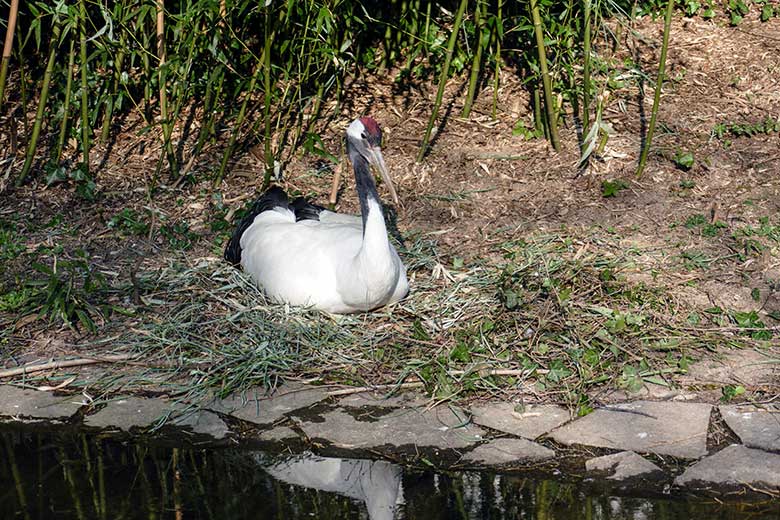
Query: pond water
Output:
(71,475)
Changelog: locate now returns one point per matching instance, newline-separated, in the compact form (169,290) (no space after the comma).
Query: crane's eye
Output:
(364,135)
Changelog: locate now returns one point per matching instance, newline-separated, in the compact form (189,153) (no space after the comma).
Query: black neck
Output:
(364,183)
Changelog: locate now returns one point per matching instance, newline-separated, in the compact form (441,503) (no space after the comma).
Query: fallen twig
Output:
(64,363)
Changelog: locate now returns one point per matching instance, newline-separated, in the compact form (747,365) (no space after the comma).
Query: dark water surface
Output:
(66,475)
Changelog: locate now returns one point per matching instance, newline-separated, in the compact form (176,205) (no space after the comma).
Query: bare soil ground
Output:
(708,237)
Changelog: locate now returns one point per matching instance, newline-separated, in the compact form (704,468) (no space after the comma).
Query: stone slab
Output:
(402,400)
(500,452)
(666,428)
(128,413)
(734,466)
(622,466)
(279,434)
(141,413)
(440,427)
(203,422)
(260,407)
(756,427)
(530,422)
(23,403)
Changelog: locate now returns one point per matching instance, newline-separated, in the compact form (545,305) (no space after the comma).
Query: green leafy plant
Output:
(768,126)
(612,188)
(737,10)
(66,292)
(129,222)
(755,327)
(684,160)
(731,392)
(179,235)
(11,244)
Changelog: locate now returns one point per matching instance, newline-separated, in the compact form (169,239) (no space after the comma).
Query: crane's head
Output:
(364,137)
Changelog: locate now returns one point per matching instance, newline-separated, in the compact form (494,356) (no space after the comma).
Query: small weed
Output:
(768,126)
(687,184)
(684,160)
(693,259)
(15,300)
(85,185)
(520,129)
(707,229)
(179,235)
(66,292)
(11,245)
(713,229)
(612,188)
(767,11)
(754,327)
(695,220)
(753,240)
(129,222)
(737,10)
(731,392)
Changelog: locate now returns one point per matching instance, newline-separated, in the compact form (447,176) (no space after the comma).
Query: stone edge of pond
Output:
(629,444)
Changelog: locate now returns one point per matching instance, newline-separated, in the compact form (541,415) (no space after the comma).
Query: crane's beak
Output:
(375,157)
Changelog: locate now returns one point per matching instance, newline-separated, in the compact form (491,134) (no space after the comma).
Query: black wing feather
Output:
(305,210)
(273,198)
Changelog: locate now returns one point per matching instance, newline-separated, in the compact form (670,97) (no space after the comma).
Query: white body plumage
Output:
(304,255)
(324,263)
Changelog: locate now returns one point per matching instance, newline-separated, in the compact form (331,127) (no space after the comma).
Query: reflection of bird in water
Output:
(377,483)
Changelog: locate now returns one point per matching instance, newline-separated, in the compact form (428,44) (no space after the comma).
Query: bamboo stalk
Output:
(66,104)
(538,119)
(586,67)
(552,122)
(213,93)
(499,39)
(239,121)
(165,120)
(658,86)
(163,94)
(476,63)
(85,128)
(147,67)
(268,152)
(22,81)
(32,145)
(120,57)
(7,46)
(445,70)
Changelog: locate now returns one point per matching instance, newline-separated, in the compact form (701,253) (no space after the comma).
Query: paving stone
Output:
(665,428)
(128,413)
(259,407)
(500,452)
(756,427)
(440,428)
(279,434)
(734,466)
(139,412)
(530,423)
(23,403)
(203,422)
(621,466)
(402,400)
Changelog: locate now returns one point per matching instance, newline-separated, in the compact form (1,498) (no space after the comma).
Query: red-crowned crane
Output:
(303,254)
